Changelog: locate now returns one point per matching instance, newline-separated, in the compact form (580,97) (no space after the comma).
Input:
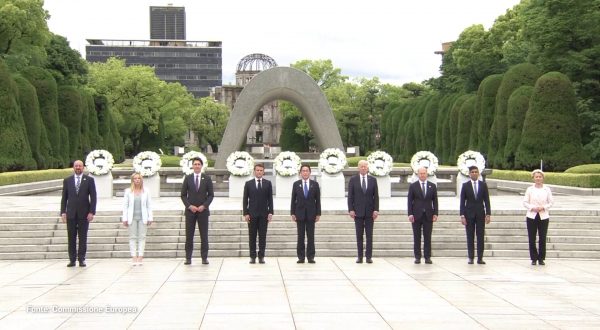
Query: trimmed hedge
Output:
(33,176)
(562,179)
(587,169)
(486,96)
(518,104)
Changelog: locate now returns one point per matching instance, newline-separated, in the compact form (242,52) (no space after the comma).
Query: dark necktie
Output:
(197,183)
(305,190)
(259,184)
(364,185)
(423,188)
(77,184)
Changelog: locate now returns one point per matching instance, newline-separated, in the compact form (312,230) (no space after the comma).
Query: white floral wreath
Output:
(424,159)
(470,158)
(287,163)
(99,162)
(332,161)
(240,163)
(380,163)
(147,163)
(186,161)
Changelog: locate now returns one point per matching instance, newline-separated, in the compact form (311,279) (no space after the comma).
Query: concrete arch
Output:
(280,83)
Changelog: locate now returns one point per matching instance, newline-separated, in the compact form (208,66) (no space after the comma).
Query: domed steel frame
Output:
(255,63)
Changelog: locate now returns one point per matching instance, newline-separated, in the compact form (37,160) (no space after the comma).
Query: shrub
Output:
(486,97)
(584,169)
(69,111)
(562,179)
(33,176)
(518,103)
(465,122)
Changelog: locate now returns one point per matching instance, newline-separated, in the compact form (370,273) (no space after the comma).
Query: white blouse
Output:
(538,197)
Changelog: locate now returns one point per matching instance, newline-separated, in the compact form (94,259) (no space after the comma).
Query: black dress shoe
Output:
(188,262)
(261,260)
(71,264)
(480,262)
(252,260)
(417,261)
(533,262)
(300,261)
(359,261)
(205,261)
(470,262)
(542,263)
(369,260)
(82,264)
(428,261)
(311,261)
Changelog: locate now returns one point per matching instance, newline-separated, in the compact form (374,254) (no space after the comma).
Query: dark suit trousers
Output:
(77,227)
(533,226)
(475,227)
(424,225)
(190,228)
(308,227)
(258,226)
(364,225)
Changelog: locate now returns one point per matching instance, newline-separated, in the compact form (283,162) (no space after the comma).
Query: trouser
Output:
(424,225)
(258,226)
(308,227)
(190,228)
(137,237)
(533,227)
(364,225)
(475,227)
(77,227)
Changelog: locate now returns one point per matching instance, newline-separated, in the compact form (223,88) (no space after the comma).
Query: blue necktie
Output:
(77,184)
(305,190)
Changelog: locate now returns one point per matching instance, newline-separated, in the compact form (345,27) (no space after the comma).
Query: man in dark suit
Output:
(306,211)
(363,207)
(77,209)
(422,213)
(196,195)
(257,205)
(475,213)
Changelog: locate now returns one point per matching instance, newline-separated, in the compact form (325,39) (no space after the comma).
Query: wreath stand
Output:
(283,185)
(384,186)
(104,185)
(236,185)
(152,185)
(332,185)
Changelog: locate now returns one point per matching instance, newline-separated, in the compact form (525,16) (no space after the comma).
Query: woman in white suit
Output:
(137,216)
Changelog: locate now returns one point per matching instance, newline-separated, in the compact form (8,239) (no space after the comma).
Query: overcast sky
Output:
(392,40)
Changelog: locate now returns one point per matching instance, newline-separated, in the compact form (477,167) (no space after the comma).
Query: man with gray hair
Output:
(363,208)
(422,213)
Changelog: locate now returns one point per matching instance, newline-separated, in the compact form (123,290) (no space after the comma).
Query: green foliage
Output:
(517,107)
(451,154)
(173,161)
(209,121)
(64,62)
(33,176)
(441,124)
(465,124)
(584,169)
(30,109)
(289,140)
(515,77)
(563,179)
(486,96)
(551,127)
(70,113)
(15,152)
(64,148)
(95,139)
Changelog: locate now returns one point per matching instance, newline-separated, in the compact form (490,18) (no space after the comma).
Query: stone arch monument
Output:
(280,83)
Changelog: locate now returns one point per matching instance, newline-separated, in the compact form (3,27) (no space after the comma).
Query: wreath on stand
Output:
(287,163)
(240,163)
(99,162)
(332,161)
(470,158)
(147,163)
(186,162)
(380,163)
(424,159)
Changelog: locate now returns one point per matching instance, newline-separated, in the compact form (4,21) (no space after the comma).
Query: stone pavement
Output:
(334,293)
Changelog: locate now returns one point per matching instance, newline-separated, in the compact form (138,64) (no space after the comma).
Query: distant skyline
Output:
(394,41)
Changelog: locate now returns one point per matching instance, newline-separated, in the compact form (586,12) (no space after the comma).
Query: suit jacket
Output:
(417,203)
(472,207)
(204,195)
(306,208)
(257,202)
(78,205)
(128,205)
(363,204)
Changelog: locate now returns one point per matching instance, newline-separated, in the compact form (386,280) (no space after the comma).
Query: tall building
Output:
(194,64)
(167,23)
(265,129)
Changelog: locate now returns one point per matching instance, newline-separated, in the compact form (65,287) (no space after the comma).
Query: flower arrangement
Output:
(287,163)
(470,158)
(240,163)
(147,163)
(424,159)
(99,162)
(380,163)
(332,161)
(186,161)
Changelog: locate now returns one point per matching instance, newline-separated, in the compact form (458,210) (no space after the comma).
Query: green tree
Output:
(552,110)
(64,62)
(70,113)
(486,96)
(465,124)
(30,109)
(209,122)
(432,109)
(518,104)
